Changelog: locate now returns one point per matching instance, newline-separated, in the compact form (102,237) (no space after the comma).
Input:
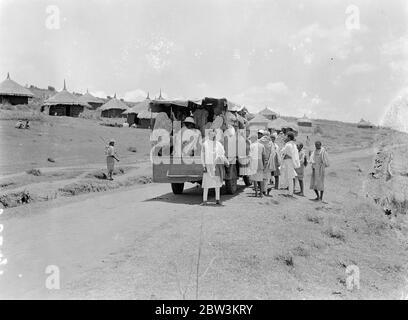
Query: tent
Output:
(278,124)
(13,93)
(268,114)
(365,124)
(304,122)
(258,122)
(64,103)
(146,119)
(132,113)
(93,101)
(114,108)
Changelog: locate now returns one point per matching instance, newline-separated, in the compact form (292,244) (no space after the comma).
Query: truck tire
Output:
(247,181)
(177,188)
(231,186)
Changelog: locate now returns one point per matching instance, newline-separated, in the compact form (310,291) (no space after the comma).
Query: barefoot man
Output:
(300,171)
(319,161)
(290,162)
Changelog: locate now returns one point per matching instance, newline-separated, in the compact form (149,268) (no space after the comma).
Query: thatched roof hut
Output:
(364,124)
(114,108)
(146,119)
(65,103)
(133,112)
(93,101)
(13,93)
(304,122)
(268,114)
(258,122)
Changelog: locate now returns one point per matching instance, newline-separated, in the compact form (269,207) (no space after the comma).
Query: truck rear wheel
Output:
(247,181)
(177,188)
(231,186)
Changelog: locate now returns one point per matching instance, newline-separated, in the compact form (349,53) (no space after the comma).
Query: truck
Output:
(172,168)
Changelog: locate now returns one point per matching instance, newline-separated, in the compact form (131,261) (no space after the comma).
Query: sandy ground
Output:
(143,242)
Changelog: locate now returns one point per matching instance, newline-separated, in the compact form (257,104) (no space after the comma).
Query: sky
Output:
(337,60)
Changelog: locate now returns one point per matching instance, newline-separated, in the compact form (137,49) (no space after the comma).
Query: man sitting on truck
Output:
(190,137)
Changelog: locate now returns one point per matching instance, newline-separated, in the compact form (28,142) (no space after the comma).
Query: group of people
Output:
(268,166)
(282,167)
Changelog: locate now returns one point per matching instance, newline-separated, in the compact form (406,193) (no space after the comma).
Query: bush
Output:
(90,114)
(335,233)
(286,258)
(34,172)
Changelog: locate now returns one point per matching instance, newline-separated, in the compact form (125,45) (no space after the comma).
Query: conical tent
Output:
(65,103)
(278,124)
(258,122)
(132,113)
(13,93)
(114,108)
(268,113)
(364,124)
(93,101)
(304,122)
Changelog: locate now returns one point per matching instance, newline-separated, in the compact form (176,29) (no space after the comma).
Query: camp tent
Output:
(269,114)
(304,122)
(114,108)
(146,119)
(13,93)
(93,101)
(258,122)
(278,124)
(365,124)
(64,103)
(138,107)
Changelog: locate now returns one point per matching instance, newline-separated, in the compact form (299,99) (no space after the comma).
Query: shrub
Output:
(335,233)
(34,172)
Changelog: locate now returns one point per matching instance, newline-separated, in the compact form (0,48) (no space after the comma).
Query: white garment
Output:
(212,152)
(290,149)
(288,172)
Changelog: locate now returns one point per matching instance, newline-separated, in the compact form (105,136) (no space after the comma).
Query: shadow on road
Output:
(194,196)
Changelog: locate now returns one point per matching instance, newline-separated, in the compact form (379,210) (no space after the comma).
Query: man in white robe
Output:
(290,161)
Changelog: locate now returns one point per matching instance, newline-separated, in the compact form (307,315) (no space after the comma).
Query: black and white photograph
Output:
(203,150)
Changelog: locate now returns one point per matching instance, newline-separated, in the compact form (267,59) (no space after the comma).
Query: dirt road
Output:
(143,242)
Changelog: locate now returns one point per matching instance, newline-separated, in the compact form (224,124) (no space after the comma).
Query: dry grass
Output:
(286,259)
(90,114)
(88,186)
(335,233)
(15,199)
(22,115)
(314,218)
(34,172)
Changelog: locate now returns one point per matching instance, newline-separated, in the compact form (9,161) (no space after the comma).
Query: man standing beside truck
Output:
(213,160)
